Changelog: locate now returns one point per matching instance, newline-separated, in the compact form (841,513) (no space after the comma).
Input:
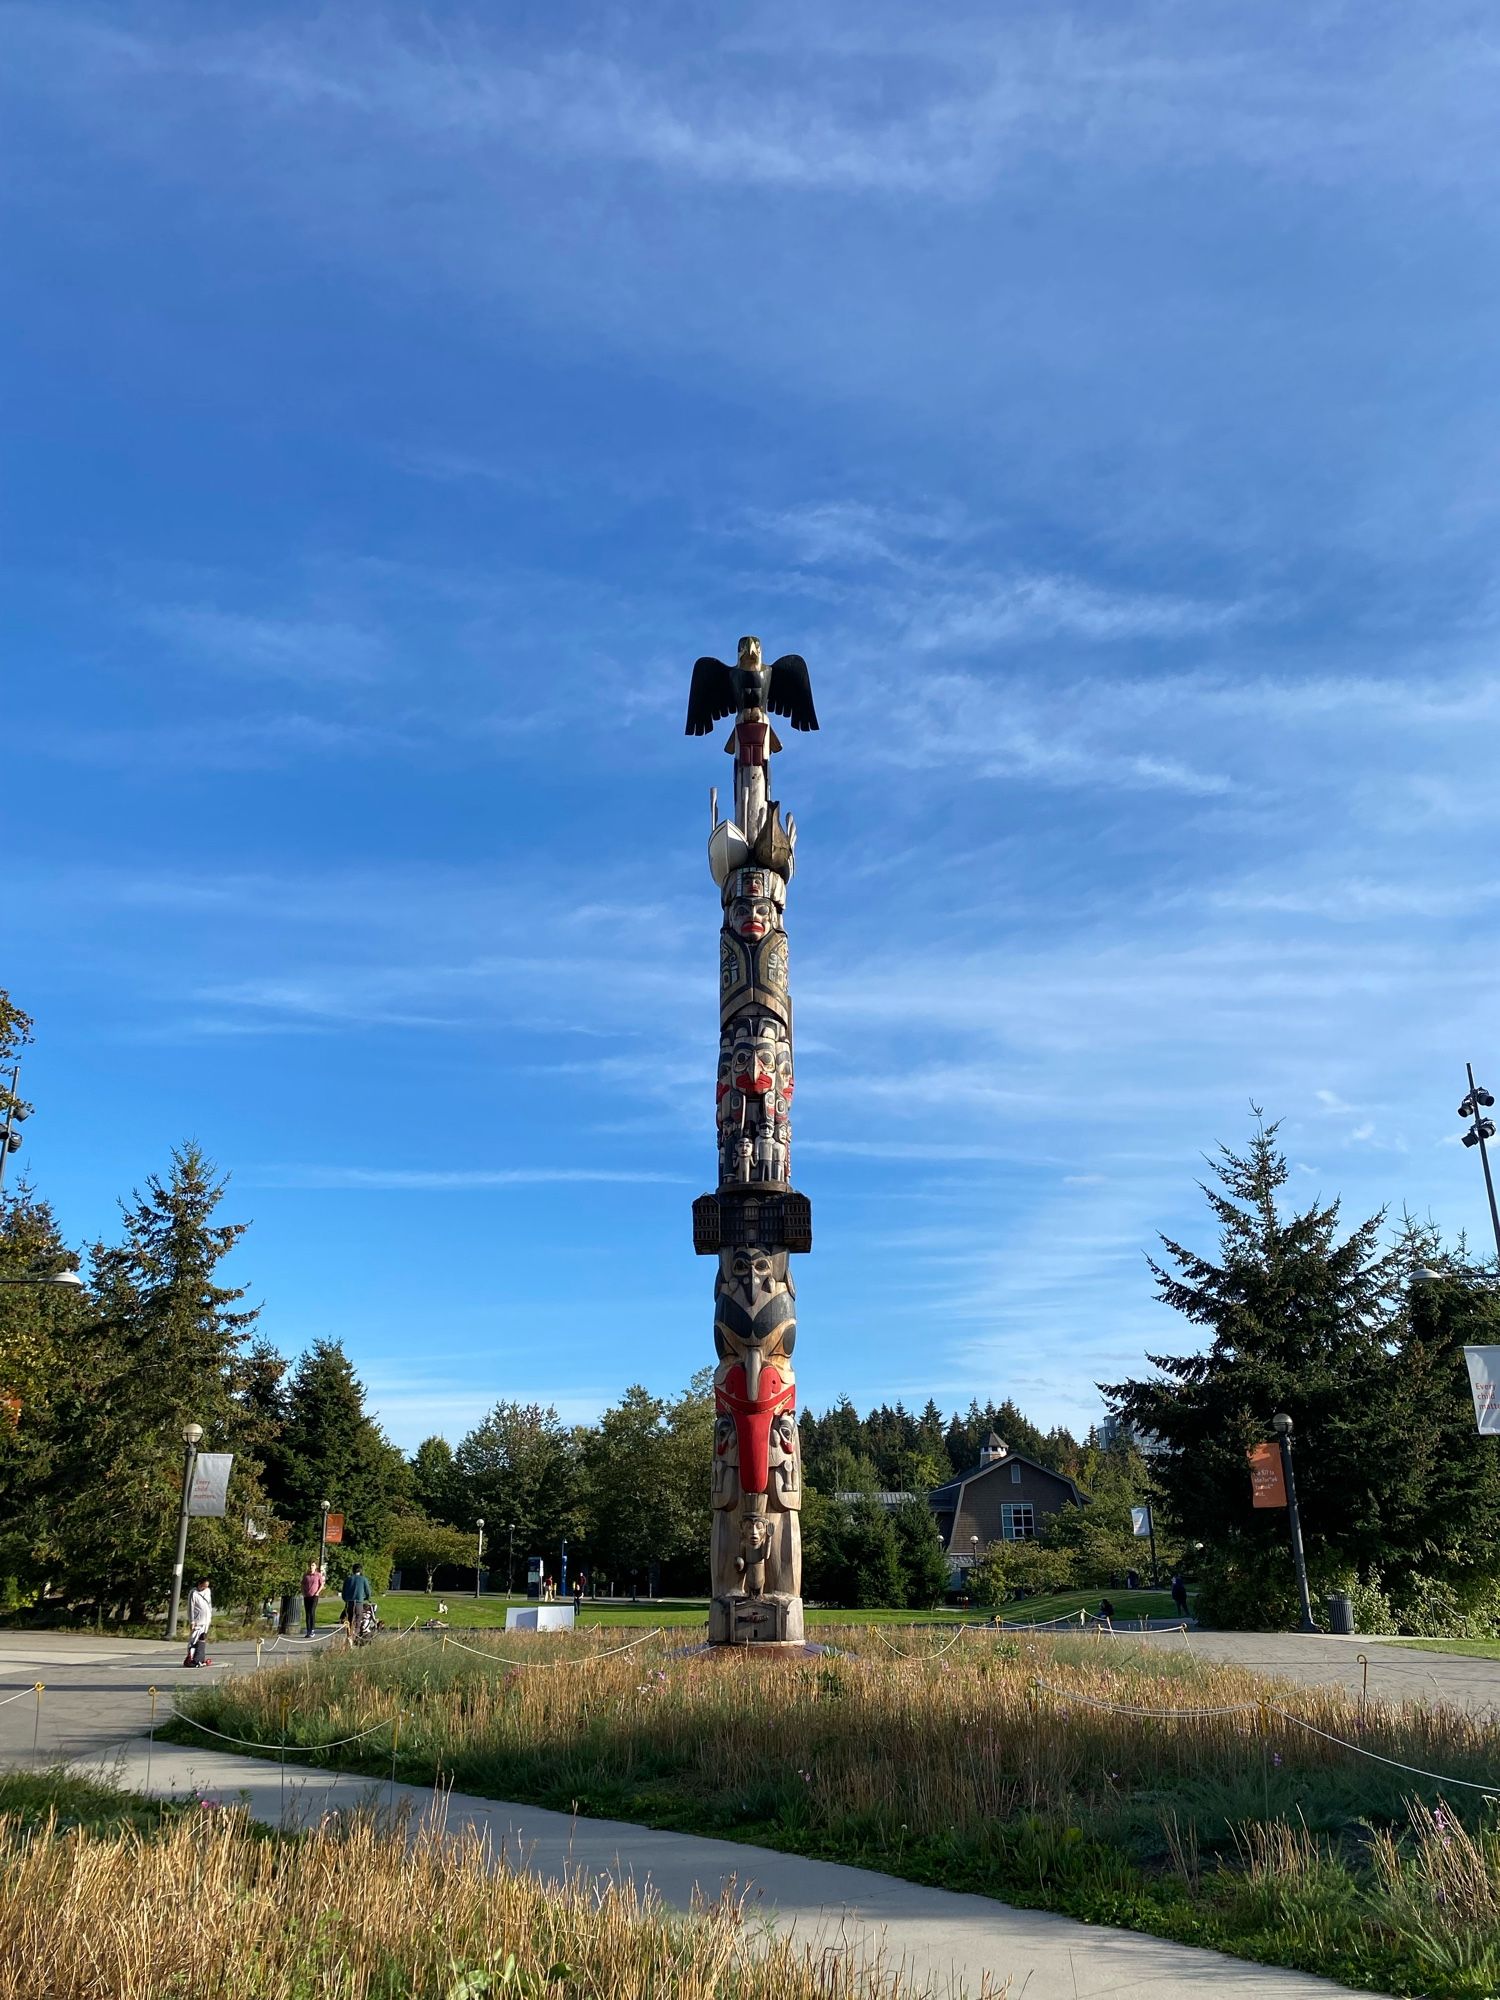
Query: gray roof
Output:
(936,1497)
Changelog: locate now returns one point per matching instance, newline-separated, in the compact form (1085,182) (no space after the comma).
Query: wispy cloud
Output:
(304,650)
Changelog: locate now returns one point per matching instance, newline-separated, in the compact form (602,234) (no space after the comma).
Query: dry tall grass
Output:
(209,1910)
(934,1738)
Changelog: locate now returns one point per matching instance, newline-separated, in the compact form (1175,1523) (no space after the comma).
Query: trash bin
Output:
(1341,1614)
(288,1619)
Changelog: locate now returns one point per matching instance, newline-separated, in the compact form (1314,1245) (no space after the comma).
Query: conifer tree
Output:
(332,1449)
(1298,1318)
(165,1347)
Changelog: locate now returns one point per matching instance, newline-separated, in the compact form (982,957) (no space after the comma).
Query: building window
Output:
(1015,1475)
(1018,1523)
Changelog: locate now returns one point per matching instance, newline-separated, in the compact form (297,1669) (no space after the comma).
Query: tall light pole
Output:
(562,1580)
(327,1507)
(1473,1107)
(1282,1425)
(191,1433)
(479,1557)
(510,1563)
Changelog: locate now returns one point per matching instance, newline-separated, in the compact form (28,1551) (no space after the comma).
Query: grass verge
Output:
(941,1759)
(138,1903)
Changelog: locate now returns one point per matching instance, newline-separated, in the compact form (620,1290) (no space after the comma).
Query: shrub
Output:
(1022,1569)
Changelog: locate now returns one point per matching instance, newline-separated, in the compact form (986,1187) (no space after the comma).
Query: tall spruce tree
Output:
(39,1332)
(165,1348)
(1300,1321)
(332,1449)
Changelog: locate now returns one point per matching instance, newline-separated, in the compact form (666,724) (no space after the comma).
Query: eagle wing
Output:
(791,691)
(710,696)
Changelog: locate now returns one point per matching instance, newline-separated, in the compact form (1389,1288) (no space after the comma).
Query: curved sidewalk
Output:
(95,1713)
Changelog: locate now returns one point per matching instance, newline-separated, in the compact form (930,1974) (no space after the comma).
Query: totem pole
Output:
(755,1221)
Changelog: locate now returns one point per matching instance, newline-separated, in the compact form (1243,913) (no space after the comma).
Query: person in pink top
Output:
(312,1590)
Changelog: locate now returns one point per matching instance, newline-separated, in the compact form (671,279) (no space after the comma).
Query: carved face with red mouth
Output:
(752,902)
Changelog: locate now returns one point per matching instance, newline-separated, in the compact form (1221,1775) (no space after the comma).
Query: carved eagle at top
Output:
(717,690)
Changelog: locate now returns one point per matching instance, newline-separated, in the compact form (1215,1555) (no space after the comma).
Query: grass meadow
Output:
(974,1760)
(107,1899)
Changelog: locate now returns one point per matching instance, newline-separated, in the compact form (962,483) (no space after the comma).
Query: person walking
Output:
(356,1592)
(312,1590)
(1179,1596)
(200,1617)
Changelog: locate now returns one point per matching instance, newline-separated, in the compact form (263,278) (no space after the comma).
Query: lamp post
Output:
(1282,1425)
(479,1557)
(562,1575)
(191,1433)
(70,1280)
(327,1507)
(510,1563)
(1473,1107)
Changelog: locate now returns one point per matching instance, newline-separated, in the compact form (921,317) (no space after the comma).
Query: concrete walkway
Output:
(1396,1672)
(95,1713)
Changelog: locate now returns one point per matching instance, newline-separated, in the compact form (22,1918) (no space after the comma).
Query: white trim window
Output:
(1018,1523)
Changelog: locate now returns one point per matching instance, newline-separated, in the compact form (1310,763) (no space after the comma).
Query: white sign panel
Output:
(1140,1520)
(1484,1380)
(210,1492)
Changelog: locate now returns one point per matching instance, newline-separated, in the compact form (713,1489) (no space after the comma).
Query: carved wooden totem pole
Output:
(755,1221)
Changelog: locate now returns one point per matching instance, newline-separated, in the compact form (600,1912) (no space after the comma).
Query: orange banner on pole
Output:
(335,1530)
(1267,1481)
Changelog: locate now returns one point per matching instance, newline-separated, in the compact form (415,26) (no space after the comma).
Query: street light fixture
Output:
(1481,1128)
(191,1433)
(327,1509)
(1281,1423)
(479,1557)
(69,1280)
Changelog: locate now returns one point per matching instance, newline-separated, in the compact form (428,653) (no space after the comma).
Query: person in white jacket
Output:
(200,1617)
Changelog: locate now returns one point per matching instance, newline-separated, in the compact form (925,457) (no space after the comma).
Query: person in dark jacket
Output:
(356,1592)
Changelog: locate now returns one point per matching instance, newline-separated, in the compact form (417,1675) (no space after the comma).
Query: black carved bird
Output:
(782,688)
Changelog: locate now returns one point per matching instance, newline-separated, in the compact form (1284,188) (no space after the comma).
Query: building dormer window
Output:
(1015,1475)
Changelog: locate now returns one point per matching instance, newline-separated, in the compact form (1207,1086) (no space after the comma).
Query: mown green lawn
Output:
(1470,1649)
(400,1607)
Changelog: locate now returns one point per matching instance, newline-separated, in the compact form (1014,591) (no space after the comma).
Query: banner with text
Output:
(1140,1520)
(1267,1483)
(1484,1380)
(210,1492)
(334,1532)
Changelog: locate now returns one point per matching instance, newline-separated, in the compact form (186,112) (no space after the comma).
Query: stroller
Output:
(365,1623)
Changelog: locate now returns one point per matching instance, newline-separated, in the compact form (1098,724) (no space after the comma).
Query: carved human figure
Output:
(753,902)
(755,1546)
(726,1499)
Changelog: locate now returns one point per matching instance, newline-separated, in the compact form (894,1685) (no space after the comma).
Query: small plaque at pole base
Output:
(737,1620)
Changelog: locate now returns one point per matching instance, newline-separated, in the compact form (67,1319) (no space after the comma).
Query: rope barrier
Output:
(1468,1784)
(1268,1708)
(30,1688)
(253,1743)
(1156,1714)
(586,1660)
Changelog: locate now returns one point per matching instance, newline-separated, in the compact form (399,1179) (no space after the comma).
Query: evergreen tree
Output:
(165,1348)
(332,1449)
(39,1335)
(1299,1322)
(433,1482)
(919,1555)
(850,1558)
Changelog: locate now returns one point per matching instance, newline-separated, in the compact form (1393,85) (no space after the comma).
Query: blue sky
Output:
(1103,399)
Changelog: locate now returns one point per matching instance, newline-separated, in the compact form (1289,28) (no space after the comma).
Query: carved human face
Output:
(784,1432)
(752,917)
(725,1442)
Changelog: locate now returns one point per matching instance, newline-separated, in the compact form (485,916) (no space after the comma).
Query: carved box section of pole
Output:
(755,1220)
